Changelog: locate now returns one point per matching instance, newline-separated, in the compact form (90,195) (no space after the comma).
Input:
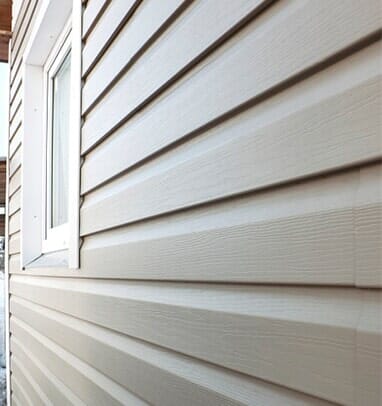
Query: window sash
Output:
(55,238)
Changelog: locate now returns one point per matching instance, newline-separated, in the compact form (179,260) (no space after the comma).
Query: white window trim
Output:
(49,26)
(54,239)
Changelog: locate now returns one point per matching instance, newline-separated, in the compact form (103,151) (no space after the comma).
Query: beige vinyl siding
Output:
(231,216)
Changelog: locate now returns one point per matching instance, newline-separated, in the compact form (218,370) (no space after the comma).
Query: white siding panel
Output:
(161,377)
(138,33)
(14,223)
(19,396)
(16,122)
(15,182)
(368,390)
(14,202)
(32,389)
(311,32)
(231,151)
(120,151)
(15,162)
(88,384)
(55,391)
(342,131)
(201,26)
(15,142)
(14,243)
(314,326)
(92,11)
(115,14)
(297,234)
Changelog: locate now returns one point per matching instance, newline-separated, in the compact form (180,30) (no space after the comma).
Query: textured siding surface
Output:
(231,216)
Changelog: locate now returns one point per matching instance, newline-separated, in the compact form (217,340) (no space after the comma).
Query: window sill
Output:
(58,259)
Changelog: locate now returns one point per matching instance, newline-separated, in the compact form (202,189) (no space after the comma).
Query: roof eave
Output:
(5,28)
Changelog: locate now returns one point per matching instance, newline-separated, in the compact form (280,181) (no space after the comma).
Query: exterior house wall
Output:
(231,214)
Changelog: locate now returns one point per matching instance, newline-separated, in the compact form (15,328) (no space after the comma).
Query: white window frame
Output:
(54,239)
(49,31)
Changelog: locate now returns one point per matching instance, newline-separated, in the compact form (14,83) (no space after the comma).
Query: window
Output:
(51,137)
(57,72)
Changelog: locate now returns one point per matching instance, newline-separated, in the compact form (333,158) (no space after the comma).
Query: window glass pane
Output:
(60,144)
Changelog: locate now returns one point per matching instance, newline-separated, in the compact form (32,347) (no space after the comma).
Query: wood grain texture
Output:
(14,223)
(368,389)
(15,142)
(14,243)
(88,384)
(213,153)
(111,21)
(19,396)
(305,100)
(20,37)
(14,202)
(159,376)
(16,122)
(16,82)
(308,31)
(91,13)
(15,106)
(55,391)
(299,234)
(303,234)
(127,151)
(343,130)
(32,388)
(199,26)
(369,228)
(315,326)
(15,182)
(15,162)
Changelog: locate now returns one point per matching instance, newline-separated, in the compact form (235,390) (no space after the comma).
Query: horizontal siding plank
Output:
(368,221)
(15,182)
(14,263)
(16,86)
(19,396)
(14,223)
(16,104)
(14,202)
(16,401)
(15,124)
(28,382)
(16,76)
(91,13)
(343,131)
(229,78)
(308,233)
(55,391)
(137,34)
(368,380)
(18,27)
(315,326)
(88,384)
(308,98)
(167,56)
(15,142)
(20,41)
(14,243)
(115,15)
(287,235)
(15,162)
(15,114)
(159,376)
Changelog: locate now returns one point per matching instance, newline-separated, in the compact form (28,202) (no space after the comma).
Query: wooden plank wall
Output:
(231,211)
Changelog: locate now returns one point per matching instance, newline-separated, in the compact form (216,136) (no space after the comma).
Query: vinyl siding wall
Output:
(231,216)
